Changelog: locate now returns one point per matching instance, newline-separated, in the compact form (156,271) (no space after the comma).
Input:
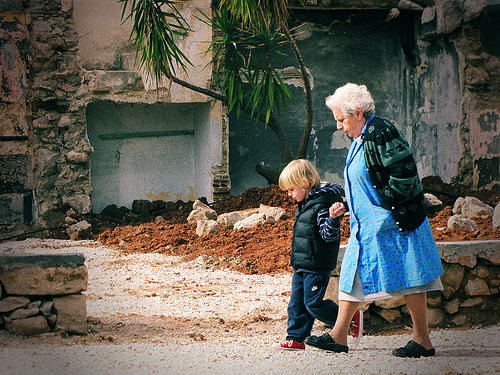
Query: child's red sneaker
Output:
(357,326)
(290,345)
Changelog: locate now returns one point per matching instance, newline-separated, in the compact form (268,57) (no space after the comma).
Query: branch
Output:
(201,90)
(276,127)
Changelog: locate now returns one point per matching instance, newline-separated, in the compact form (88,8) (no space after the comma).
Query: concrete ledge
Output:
(10,262)
(466,253)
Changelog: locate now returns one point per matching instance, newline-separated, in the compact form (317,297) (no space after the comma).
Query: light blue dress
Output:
(386,258)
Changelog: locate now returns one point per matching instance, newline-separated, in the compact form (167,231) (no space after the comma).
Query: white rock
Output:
(204,227)
(248,212)
(79,230)
(472,207)
(432,203)
(197,215)
(460,221)
(201,212)
(277,213)
(496,217)
(229,219)
(251,221)
(199,205)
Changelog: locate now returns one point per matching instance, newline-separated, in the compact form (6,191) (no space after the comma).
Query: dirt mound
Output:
(265,249)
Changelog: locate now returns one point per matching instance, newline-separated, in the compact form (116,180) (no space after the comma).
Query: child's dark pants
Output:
(307,304)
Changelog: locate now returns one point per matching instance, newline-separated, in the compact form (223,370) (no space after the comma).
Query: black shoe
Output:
(413,350)
(326,342)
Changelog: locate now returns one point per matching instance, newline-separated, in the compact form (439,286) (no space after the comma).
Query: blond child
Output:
(315,247)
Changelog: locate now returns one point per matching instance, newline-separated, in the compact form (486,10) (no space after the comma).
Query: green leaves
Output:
(157,25)
(242,58)
(246,45)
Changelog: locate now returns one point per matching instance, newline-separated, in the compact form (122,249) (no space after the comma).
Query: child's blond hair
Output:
(299,173)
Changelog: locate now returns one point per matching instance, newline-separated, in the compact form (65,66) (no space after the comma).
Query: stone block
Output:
(27,274)
(453,276)
(460,319)
(332,291)
(435,317)
(12,303)
(391,303)
(477,287)
(71,313)
(45,281)
(471,302)
(34,325)
(23,313)
(390,315)
(20,259)
(46,308)
(452,306)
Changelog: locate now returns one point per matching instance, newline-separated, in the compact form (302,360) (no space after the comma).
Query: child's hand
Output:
(337,209)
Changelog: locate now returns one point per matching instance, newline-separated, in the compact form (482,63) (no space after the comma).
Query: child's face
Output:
(297,193)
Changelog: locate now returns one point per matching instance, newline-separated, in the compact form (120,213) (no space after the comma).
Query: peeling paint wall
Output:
(431,68)
(160,165)
(15,156)
(62,63)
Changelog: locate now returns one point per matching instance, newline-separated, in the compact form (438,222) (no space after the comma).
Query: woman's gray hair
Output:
(349,98)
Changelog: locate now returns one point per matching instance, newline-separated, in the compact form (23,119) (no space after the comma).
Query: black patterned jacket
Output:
(393,171)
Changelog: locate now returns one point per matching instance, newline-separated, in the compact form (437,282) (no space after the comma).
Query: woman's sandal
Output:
(413,350)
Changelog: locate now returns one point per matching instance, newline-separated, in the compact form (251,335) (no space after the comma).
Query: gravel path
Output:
(155,314)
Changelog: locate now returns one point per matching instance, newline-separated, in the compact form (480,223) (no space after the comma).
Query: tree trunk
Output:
(284,144)
(271,174)
(306,134)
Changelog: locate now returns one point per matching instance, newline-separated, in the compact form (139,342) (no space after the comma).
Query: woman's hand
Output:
(337,209)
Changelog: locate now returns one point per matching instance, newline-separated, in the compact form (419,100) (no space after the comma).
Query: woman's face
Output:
(353,125)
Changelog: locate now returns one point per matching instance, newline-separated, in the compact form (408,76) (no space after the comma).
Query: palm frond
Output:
(156,27)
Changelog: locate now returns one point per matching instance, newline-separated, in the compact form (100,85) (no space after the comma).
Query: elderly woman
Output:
(391,251)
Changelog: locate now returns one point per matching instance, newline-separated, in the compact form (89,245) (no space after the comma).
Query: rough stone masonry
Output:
(43,293)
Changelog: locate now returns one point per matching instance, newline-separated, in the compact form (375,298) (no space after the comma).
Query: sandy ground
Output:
(157,314)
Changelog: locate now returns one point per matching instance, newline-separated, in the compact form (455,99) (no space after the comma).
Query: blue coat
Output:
(387,259)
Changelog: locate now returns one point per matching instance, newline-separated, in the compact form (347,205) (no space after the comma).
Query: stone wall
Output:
(43,293)
(470,289)
(47,85)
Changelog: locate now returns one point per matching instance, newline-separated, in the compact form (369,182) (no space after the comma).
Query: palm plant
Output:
(250,34)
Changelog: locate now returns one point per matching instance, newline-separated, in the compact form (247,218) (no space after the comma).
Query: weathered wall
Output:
(427,70)
(62,60)
(15,161)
